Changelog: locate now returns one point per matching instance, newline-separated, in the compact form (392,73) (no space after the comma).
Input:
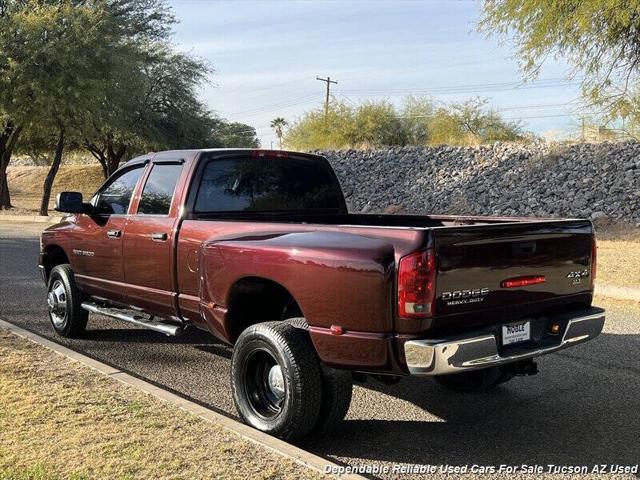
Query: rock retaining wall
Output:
(582,180)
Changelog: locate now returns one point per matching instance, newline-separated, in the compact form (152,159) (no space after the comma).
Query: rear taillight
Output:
(416,285)
(594,255)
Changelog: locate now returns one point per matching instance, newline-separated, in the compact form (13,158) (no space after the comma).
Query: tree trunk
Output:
(48,182)
(5,197)
(109,156)
(8,139)
(114,155)
(98,155)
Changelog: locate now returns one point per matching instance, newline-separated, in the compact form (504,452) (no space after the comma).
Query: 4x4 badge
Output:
(577,276)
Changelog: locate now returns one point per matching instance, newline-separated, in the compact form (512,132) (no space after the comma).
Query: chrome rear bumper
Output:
(441,357)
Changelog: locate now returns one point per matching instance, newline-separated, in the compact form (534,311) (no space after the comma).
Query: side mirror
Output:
(69,202)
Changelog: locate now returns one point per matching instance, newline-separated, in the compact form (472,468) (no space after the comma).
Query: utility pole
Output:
(328,81)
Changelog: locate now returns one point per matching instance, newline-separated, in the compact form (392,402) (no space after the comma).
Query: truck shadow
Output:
(581,409)
(191,337)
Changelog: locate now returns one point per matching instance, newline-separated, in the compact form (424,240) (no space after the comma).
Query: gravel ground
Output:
(582,409)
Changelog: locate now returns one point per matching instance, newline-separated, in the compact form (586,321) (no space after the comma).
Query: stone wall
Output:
(582,180)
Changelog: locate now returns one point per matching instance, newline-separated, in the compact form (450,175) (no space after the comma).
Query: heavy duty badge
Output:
(465,296)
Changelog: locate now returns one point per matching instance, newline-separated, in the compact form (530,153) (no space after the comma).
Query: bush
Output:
(419,122)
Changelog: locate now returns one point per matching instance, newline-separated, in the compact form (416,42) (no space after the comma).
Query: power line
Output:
(251,89)
(550,116)
(328,81)
(545,83)
(275,106)
(503,86)
(279,108)
(527,107)
(512,84)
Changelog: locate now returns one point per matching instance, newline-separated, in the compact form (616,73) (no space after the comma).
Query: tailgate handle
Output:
(526,247)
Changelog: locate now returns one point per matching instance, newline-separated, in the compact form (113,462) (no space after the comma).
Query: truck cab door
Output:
(97,246)
(149,240)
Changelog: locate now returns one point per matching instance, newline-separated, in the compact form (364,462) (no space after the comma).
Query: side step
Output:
(135,318)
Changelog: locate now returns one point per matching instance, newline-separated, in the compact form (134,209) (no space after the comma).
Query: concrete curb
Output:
(30,218)
(619,293)
(276,445)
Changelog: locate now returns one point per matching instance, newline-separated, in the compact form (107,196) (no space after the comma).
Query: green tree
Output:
(417,115)
(150,103)
(418,122)
(278,124)
(371,124)
(52,56)
(58,62)
(470,122)
(599,38)
(376,124)
(233,135)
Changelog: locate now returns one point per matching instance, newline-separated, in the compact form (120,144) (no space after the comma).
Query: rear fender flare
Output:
(335,277)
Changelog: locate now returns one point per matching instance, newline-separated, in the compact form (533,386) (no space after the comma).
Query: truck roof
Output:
(193,152)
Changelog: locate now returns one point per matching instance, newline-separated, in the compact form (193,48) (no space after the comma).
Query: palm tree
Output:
(278,125)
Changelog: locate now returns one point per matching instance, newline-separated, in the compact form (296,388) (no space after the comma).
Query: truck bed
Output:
(471,253)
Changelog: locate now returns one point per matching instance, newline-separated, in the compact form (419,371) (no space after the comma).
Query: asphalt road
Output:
(581,409)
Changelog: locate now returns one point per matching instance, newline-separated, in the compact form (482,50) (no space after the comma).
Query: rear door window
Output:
(269,185)
(158,191)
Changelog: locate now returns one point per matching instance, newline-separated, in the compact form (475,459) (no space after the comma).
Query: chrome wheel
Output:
(264,384)
(57,303)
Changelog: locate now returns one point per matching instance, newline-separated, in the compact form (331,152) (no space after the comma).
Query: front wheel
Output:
(276,379)
(63,302)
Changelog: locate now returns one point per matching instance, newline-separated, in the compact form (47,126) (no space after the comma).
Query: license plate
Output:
(516,332)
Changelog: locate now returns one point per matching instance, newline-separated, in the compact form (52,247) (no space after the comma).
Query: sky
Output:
(267,55)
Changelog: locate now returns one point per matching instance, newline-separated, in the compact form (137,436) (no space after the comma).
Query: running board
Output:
(135,318)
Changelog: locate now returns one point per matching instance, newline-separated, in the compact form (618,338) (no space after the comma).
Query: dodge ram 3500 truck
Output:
(257,247)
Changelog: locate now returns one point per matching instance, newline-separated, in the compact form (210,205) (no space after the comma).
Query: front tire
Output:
(276,380)
(475,380)
(63,301)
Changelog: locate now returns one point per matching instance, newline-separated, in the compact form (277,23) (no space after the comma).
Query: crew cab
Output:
(257,248)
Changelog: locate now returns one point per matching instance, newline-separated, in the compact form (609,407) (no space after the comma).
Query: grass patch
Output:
(618,263)
(63,420)
(25,185)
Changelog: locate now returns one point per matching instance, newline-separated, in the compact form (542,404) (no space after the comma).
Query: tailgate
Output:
(494,273)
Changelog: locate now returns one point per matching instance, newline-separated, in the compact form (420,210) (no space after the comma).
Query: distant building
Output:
(600,133)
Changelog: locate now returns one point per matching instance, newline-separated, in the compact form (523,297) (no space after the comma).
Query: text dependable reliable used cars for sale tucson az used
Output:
(257,248)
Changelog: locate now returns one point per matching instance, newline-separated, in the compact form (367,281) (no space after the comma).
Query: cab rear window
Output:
(269,185)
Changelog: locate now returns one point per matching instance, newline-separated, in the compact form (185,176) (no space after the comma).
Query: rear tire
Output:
(276,380)
(337,390)
(475,380)
(63,300)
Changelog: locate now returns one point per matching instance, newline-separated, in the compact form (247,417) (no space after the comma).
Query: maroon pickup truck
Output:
(257,248)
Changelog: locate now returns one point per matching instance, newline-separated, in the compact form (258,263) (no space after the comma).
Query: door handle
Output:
(159,236)
(114,233)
